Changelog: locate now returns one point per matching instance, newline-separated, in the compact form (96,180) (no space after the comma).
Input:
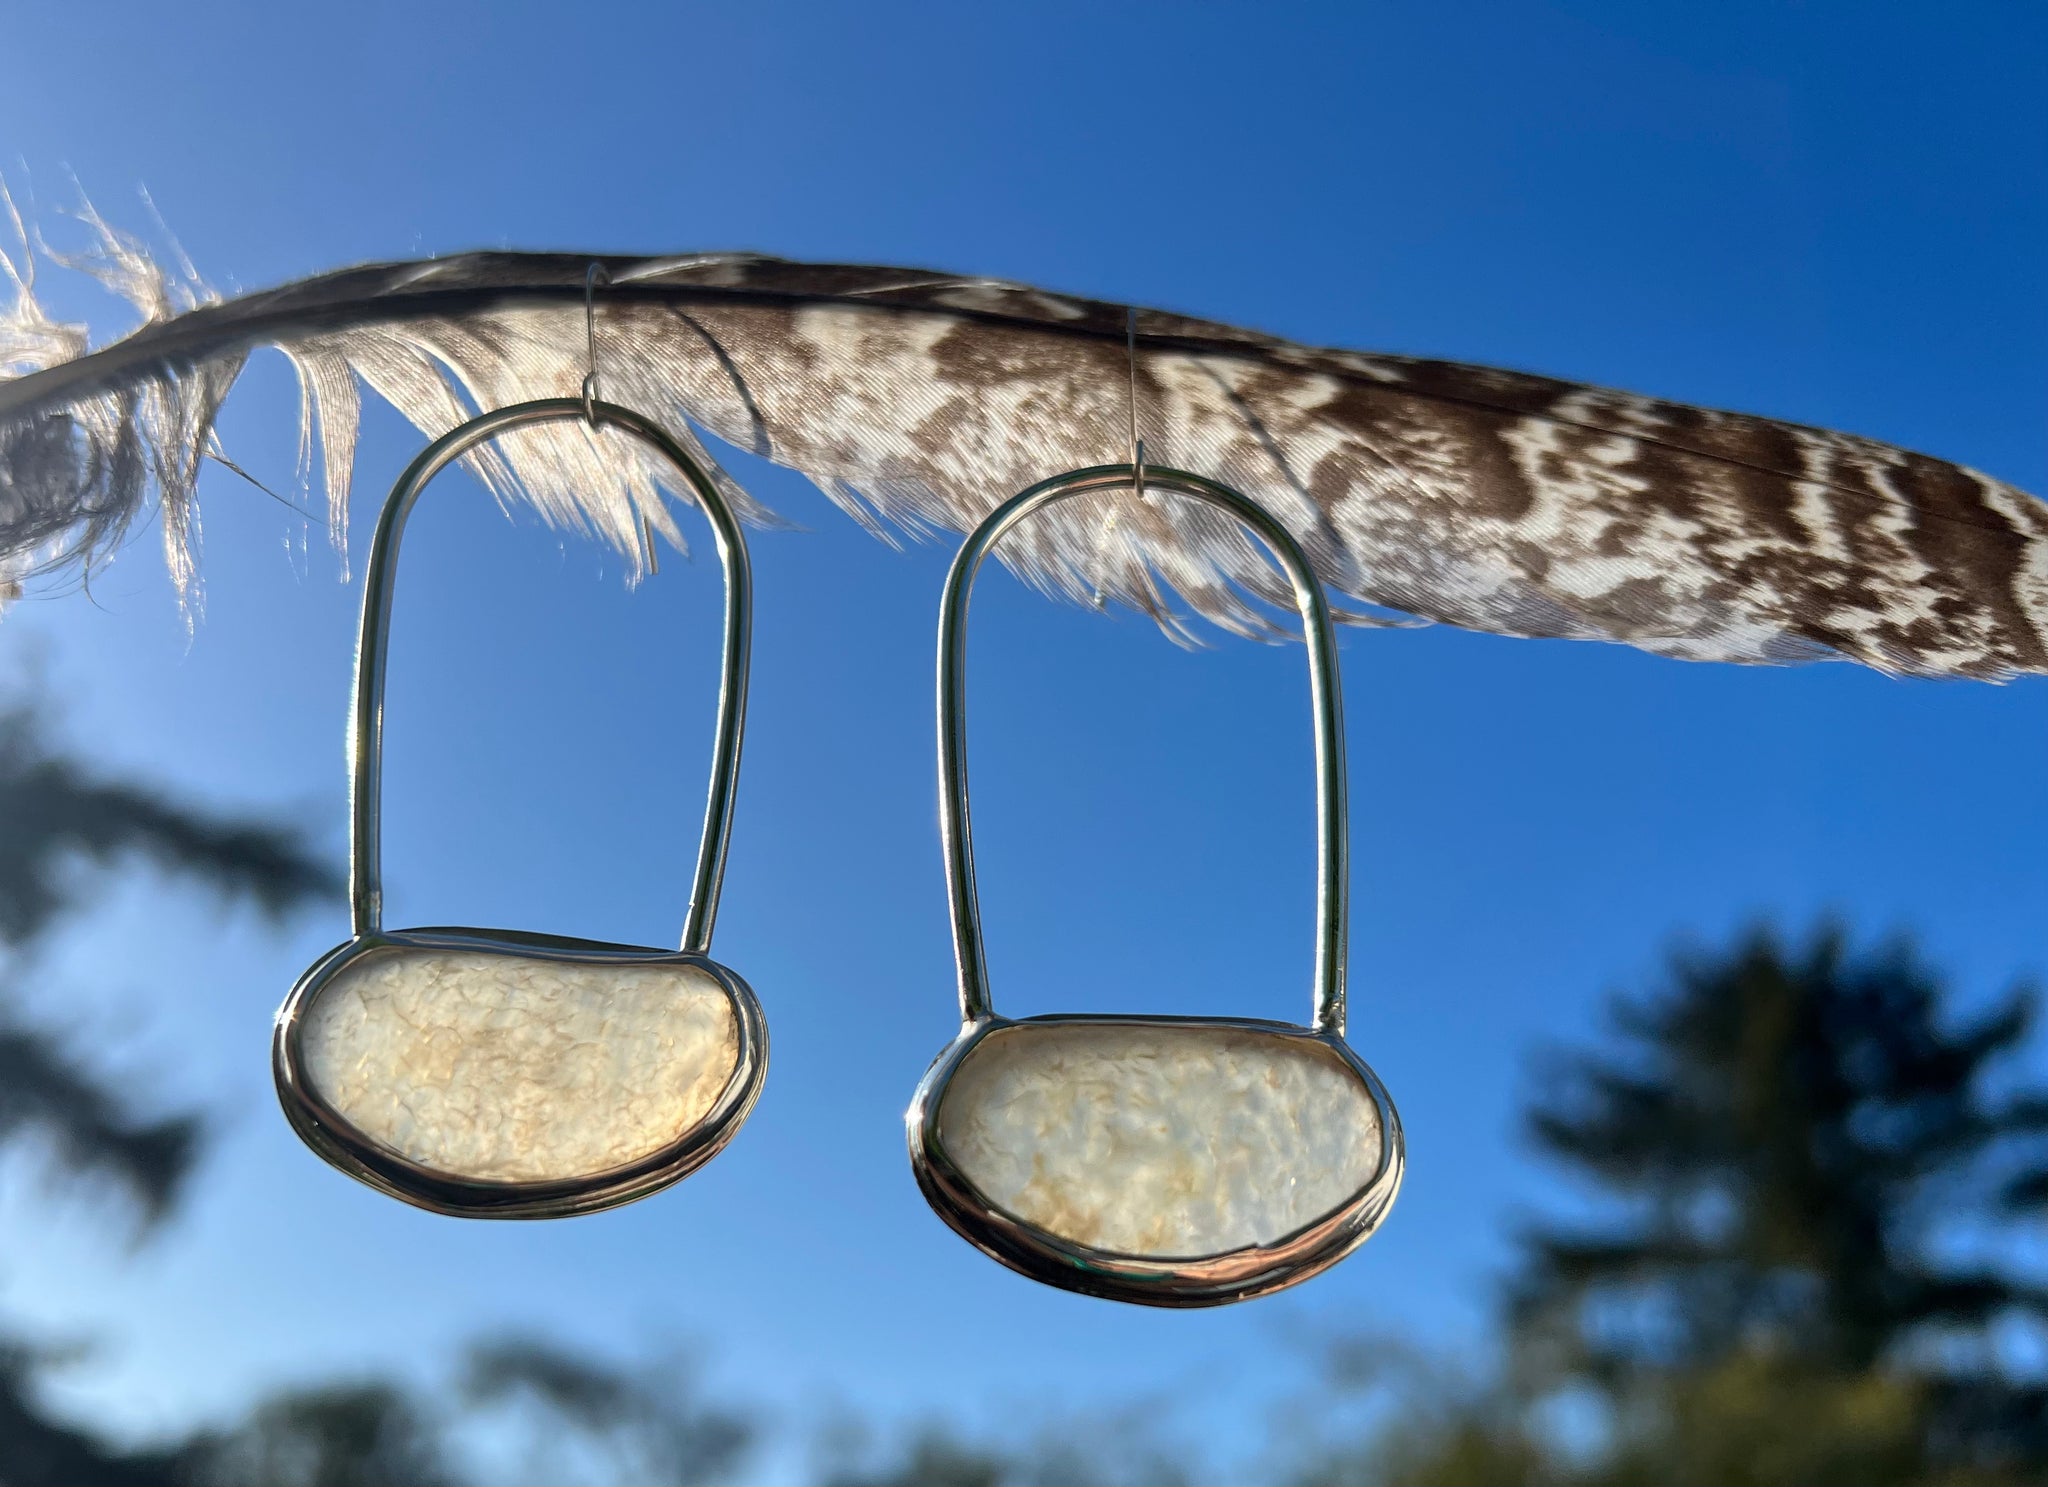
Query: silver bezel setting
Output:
(337,1139)
(1178,1281)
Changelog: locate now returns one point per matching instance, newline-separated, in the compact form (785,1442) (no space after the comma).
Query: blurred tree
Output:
(367,1434)
(62,821)
(63,824)
(1802,1173)
(935,1456)
(1085,1449)
(36,1449)
(642,1425)
(59,816)
(1808,1169)
(1427,1423)
(546,1414)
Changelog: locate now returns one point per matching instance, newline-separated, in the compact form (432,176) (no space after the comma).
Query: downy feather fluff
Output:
(1488,499)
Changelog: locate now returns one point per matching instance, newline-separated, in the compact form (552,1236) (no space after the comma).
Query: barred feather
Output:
(1488,499)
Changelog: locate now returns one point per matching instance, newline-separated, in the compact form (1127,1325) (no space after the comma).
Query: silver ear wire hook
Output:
(647,546)
(1136,449)
(1137,444)
(592,396)
(590,392)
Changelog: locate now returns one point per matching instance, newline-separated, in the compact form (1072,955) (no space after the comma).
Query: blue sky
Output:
(1832,214)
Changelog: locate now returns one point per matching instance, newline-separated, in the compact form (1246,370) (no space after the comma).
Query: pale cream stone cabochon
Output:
(507,1069)
(1160,1141)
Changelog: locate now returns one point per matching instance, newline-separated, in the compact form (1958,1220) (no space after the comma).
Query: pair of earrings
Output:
(499,1073)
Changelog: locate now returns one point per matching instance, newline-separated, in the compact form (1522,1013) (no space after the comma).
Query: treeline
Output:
(1810,1183)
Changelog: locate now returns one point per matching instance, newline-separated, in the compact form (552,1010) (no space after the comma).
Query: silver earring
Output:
(1171,1161)
(500,1073)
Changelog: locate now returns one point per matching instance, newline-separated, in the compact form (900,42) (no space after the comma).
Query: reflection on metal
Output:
(1054,1246)
(542,964)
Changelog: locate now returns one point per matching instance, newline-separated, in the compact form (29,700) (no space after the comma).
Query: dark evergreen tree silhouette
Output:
(62,822)
(1803,1160)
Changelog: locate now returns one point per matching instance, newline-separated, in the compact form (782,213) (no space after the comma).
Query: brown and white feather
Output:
(917,401)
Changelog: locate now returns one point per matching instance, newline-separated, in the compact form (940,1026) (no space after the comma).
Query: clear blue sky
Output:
(1830,213)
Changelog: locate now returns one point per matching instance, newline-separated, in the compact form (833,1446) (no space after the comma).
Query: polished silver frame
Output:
(318,1123)
(1205,1280)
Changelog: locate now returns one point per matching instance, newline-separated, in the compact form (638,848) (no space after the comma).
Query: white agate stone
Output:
(512,1070)
(1162,1142)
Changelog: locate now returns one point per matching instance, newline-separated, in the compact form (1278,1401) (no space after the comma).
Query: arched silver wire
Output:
(956,831)
(366,724)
